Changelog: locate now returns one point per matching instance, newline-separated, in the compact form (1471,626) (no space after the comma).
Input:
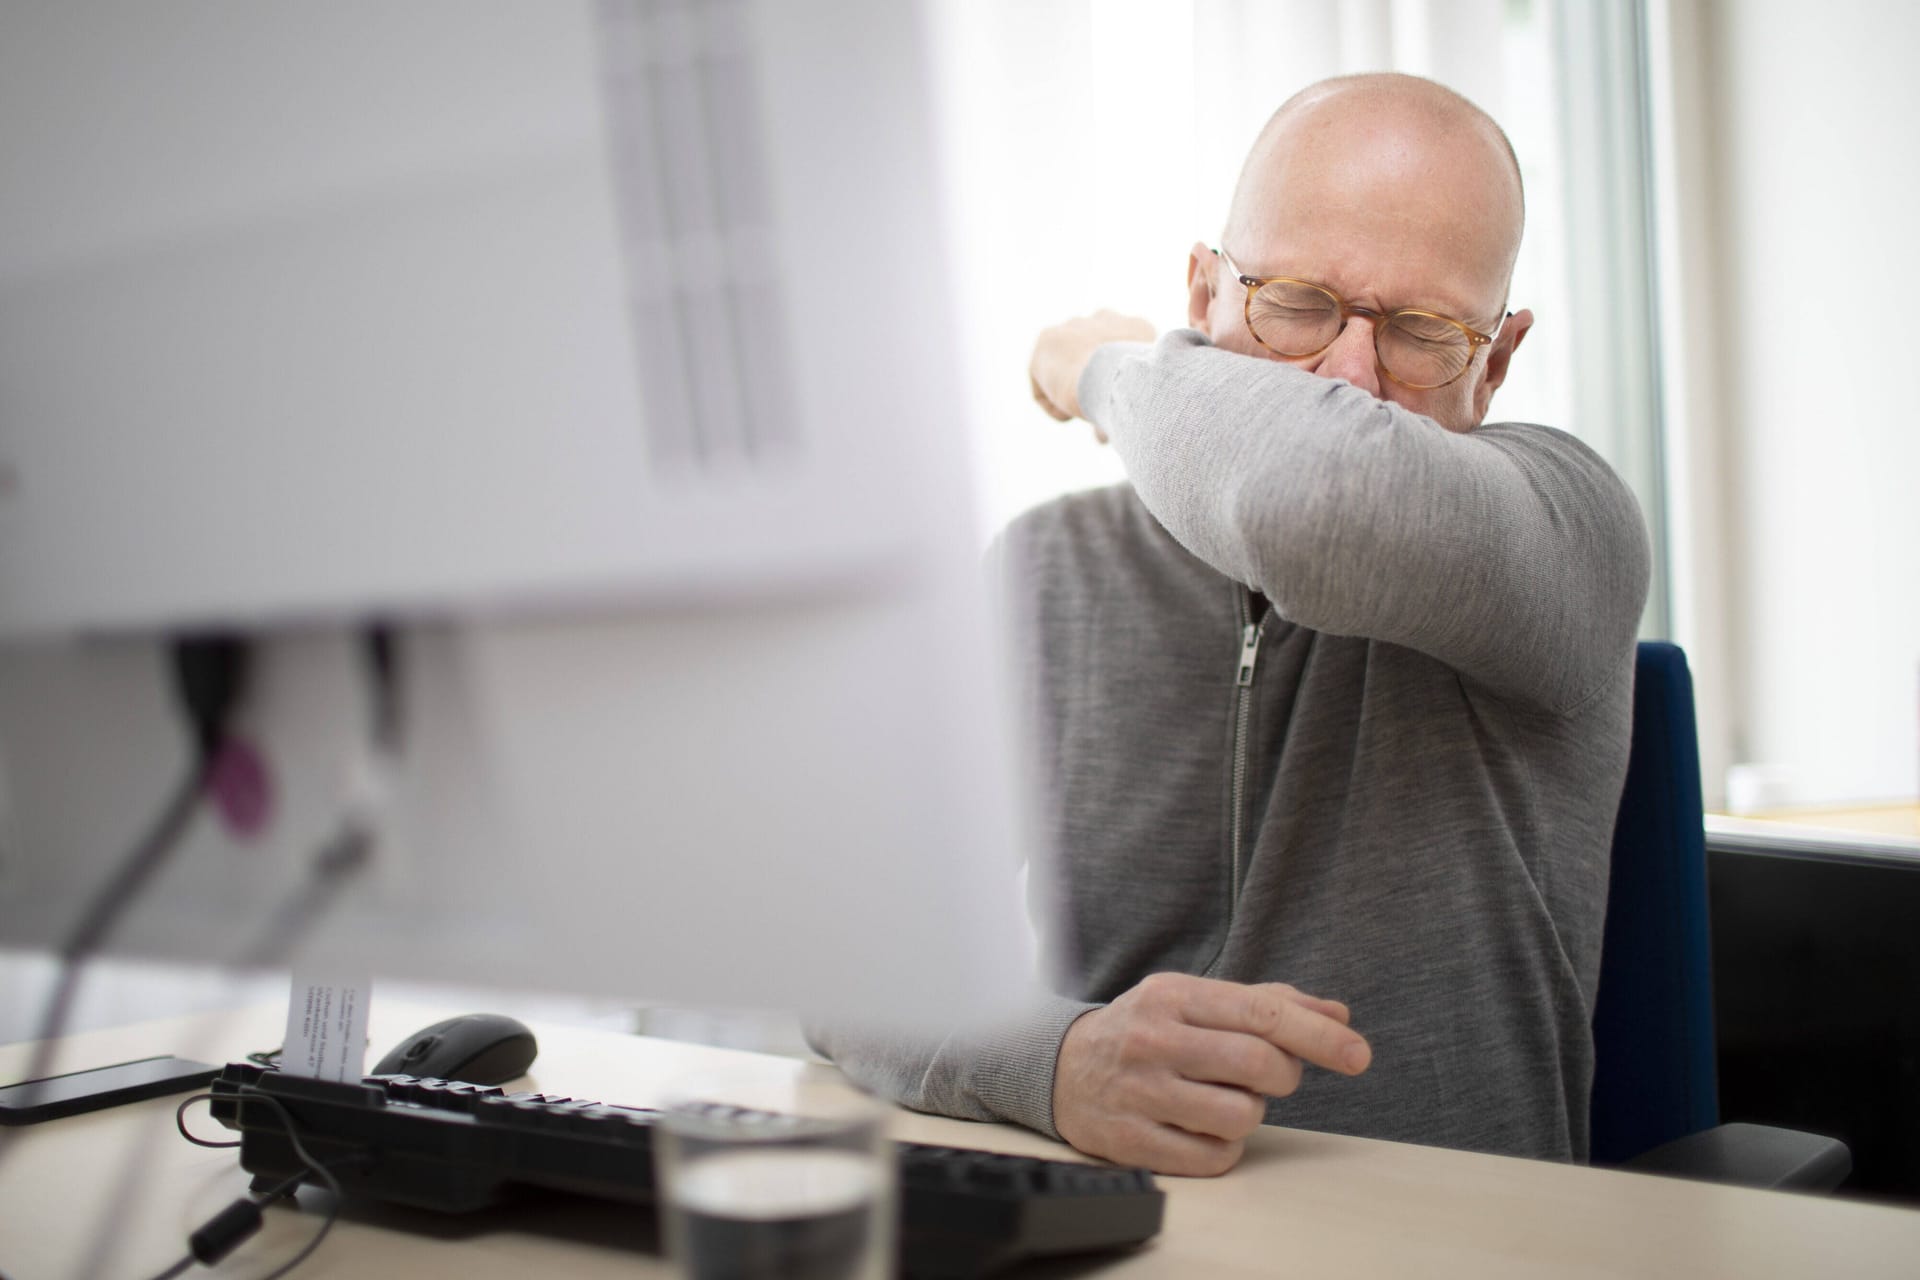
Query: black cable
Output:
(180,1122)
(381,651)
(219,1235)
(210,676)
(351,847)
(134,872)
(334,865)
(286,1188)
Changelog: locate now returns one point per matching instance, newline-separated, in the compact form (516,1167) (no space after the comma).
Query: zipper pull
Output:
(1249,650)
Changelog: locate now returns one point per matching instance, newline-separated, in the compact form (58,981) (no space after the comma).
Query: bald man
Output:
(1334,693)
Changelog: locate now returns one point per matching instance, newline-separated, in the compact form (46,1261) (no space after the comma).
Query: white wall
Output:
(1810,186)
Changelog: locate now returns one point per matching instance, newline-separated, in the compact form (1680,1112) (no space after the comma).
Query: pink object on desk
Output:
(241,788)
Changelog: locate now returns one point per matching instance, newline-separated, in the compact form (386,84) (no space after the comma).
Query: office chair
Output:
(1655,1105)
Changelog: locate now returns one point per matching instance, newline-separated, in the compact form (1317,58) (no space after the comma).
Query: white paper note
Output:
(327,1025)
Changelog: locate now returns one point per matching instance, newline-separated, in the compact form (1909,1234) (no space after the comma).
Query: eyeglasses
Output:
(1418,349)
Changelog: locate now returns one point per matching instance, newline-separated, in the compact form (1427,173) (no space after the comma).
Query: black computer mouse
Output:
(479,1048)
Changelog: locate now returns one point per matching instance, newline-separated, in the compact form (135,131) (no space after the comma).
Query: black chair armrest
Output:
(1751,1155)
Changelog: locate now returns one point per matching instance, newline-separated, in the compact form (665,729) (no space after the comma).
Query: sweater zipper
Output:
(1242,720)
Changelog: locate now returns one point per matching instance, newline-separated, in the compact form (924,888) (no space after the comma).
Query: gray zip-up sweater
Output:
(1394,787)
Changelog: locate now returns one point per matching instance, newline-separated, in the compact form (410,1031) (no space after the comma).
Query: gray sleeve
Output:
(1004,1073)
(1511,553)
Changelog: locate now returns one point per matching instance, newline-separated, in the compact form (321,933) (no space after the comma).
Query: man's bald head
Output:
(1396,140)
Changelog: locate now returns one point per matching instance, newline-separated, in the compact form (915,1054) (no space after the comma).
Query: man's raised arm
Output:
(1512,553)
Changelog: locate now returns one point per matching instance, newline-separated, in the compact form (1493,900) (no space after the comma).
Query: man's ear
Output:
(1499,358)
(1200,266)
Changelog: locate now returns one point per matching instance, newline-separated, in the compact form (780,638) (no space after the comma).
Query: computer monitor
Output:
(600,349)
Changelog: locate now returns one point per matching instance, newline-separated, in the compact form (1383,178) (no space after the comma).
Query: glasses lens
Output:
(1293,319)
(1423,351)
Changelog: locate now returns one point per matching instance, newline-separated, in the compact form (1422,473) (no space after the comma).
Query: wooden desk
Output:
(1301,1204)
(1898,819)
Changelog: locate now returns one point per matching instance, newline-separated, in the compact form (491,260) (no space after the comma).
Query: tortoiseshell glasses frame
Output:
(1387,324)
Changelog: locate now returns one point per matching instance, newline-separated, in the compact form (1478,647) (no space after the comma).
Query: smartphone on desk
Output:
(32,1101)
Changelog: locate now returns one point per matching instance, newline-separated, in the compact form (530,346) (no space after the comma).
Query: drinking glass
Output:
(753,1195)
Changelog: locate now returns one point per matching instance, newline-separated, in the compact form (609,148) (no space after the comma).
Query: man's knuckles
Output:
(1300,1029)
(1263,1010)
(1211,1160)
(1261,1067)
(1169,1151)
(1163,990)
(1210,1110)
(1237,1112)
(1256,1065)
(1145,1042)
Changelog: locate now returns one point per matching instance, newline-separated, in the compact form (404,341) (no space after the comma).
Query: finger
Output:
(1234,1059)
(1270,1012)
(1332,1008)
(1322,1040)
(1171,1150)
(1210,1110)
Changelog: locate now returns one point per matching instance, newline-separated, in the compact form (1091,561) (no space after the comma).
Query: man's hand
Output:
(1176,1073)
(1061,353)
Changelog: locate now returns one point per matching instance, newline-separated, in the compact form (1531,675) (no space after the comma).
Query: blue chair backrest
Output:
(1653,1024)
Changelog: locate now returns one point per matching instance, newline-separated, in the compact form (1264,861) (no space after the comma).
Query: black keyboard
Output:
(459,1148)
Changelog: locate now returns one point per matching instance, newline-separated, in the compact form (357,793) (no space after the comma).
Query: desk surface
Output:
(1305,1203)
(1902,820)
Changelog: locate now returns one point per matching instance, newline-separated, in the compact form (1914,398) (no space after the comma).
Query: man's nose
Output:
(1352,356)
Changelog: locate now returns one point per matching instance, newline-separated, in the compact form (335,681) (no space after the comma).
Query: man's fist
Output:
(1177,1072)
(1061,353)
